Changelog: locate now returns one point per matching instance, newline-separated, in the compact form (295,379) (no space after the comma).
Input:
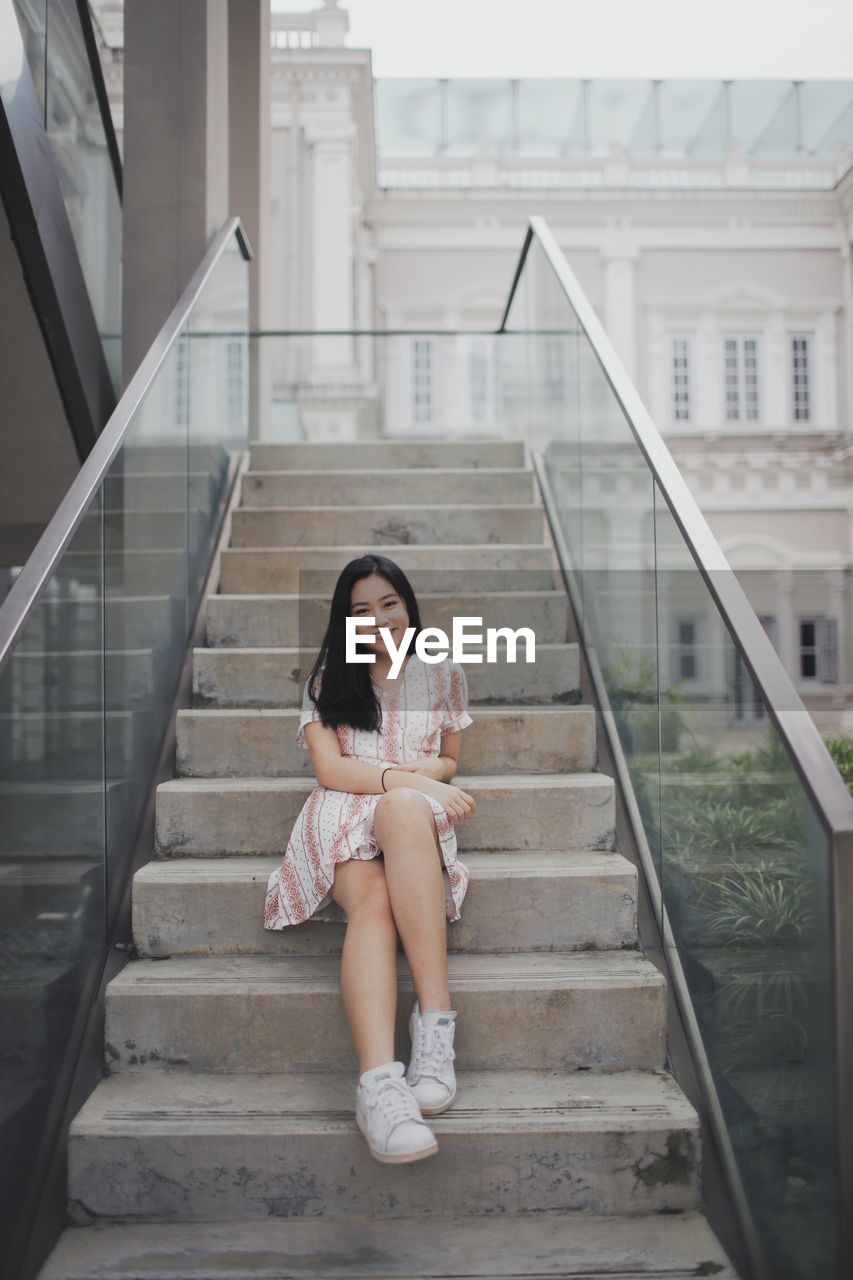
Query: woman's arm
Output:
(338,773)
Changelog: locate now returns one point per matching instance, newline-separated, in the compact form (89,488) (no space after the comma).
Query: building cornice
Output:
(711,203)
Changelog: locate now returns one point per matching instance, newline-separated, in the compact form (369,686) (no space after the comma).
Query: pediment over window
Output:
(757,551)
(744,295)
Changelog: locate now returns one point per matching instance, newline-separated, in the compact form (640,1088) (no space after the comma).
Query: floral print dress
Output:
(333,826)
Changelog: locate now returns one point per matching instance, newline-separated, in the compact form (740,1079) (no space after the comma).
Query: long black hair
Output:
(347,694)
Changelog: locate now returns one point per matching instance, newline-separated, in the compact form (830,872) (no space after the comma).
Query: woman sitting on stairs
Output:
(374,845)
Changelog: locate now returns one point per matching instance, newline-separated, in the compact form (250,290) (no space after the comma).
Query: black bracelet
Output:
(382,779)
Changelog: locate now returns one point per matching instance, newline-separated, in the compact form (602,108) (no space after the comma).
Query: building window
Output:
(680,366)
(422,368)
(182,382)
(479,369)
(818,649)
(746,702)
(234,382)
(741,374)
(800,375)
(554,349)
(686,649)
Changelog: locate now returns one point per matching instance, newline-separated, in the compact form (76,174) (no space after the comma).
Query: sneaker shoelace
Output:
(434,1050)
(396,1104)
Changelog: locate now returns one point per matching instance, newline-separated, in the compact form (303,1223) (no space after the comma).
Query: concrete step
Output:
(275,677)
(487,486)
(189,1146)
(538,1010)
(81,679)
(54,744)
(262,744)
(130,622)
(516,900)
(237,622)
(510,1246)
(135,529)
(173,459)
(409,525)
(62,818)
(209,817)
(132,573)
(161,491)
(387,455)
(30,886)
(463,568)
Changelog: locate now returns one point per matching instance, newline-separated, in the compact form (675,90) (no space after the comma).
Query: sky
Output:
(658,39)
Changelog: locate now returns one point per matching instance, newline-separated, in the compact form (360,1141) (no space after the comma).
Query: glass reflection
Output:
(51,853)
(75,130)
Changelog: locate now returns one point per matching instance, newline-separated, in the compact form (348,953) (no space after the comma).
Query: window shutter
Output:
(827,652)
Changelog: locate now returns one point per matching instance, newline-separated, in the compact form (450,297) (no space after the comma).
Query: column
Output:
(620,305)
(786,639)
(250,138)
(333,256)
(175,155)
(775,378)
(838,610)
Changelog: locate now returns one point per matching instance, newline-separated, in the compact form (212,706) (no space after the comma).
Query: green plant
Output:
(697,760)
(719,826)
(841,750)
(637,698)
(763,904)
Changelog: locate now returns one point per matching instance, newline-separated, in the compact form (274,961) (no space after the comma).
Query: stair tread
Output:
(484,782)
(293,713)
(565,1246)
(394,550)
(272,597)
(499,862)
(357,473)
(266,1104)
(552,970)
(440,508)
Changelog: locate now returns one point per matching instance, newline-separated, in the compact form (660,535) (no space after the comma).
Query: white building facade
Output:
(710,224)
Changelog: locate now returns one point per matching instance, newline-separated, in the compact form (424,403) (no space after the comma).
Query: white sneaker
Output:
(430,1072)
(387,1114)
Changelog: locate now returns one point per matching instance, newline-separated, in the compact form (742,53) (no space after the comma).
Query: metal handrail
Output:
(36,573)
(831,801)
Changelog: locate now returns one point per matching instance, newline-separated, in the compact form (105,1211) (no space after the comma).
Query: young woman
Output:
(374,845)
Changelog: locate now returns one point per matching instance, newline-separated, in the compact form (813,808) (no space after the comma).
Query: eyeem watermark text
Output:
(432,644)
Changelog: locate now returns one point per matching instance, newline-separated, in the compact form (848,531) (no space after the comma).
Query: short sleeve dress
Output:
(334,826)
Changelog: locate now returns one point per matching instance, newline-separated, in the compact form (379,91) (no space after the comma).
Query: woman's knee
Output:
(403,803)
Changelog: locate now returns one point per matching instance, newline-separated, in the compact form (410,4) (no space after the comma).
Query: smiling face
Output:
(374,597)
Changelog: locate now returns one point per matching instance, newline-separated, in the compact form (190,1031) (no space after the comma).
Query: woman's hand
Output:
(457,804)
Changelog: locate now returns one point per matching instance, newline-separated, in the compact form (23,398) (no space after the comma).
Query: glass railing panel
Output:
(81,154)
(741,849)
(52,793)
(218,380)
(745,883)
(86,697)
(604,503)
(146,599)
(614,541)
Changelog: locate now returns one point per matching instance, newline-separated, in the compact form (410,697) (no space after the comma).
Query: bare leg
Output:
(405,830)
(369,960)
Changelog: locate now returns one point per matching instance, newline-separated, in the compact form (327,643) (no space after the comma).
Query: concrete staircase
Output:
(222,1141)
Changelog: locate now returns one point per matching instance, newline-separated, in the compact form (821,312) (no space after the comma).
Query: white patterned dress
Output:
(335,826)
